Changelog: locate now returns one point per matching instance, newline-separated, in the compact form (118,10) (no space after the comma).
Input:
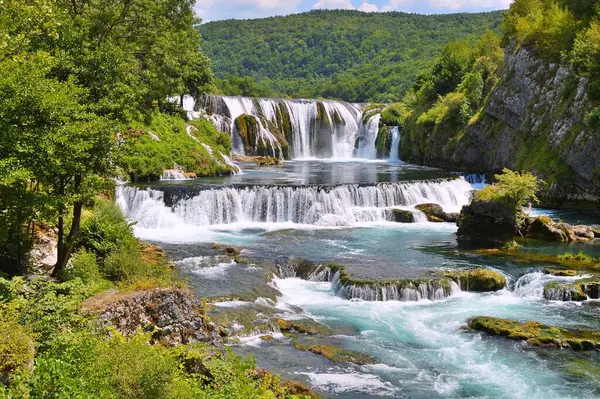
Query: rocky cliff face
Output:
(535,119)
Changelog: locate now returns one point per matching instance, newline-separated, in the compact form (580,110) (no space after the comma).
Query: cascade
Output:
(367,136)
(395,148)
(172,174)
(313,205)
(402,291)
(312,128)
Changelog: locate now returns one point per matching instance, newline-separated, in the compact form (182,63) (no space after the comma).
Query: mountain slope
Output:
(348,55)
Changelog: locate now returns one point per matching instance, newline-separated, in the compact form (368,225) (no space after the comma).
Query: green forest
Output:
(346,55)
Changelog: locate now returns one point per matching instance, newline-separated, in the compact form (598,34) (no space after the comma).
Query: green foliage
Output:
(71,73)
(83,265)
(512,189)
(16,347)
(394,115)
(565,30)
(104,229)
(593,118)
(246,86)
(144,158)
(348,55)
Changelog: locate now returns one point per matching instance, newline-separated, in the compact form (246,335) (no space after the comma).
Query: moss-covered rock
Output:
(537,333)
(261,137)
(403,216)
(478,280)
(303,326)
(267,161)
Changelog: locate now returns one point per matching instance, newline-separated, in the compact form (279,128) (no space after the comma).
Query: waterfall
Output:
(172,174)
(313,205)
(367,137)
(405,291)
(313,128)
(395,148)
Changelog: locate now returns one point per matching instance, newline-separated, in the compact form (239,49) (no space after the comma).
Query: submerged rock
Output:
(334,353)
(561,272)
(537,334)
(173,316)
(487,224)
(435,213)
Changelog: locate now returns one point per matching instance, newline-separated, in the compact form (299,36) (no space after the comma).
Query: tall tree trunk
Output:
(65,247)
(61,231)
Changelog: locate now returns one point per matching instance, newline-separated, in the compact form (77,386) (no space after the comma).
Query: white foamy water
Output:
(339,206)
(423,352)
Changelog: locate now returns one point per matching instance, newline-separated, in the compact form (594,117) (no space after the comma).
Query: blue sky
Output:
(212,10)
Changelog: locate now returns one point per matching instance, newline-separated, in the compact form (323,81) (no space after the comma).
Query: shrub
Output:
(104,230)
(586,50)
(82,265)
(593,119)
(16,348)
(512,189)
(125,264)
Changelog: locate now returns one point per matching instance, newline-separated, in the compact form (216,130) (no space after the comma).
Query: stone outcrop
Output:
(543,228)
(173,316)
(486,224)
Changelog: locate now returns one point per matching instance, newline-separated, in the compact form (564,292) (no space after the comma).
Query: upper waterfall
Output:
(290,129)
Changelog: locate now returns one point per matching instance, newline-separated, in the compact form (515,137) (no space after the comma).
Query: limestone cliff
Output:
(534,119)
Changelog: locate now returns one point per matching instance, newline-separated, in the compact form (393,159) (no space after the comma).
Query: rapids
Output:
(329,211)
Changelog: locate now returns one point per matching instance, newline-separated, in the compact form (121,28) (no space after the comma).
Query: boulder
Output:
(173,316)
(434,212)
(403,216)
(487,224)
(543,228)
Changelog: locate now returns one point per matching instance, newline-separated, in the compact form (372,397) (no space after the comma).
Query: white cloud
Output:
(368,7)
(435,6)
(210,10)
(344,5)
(334,5)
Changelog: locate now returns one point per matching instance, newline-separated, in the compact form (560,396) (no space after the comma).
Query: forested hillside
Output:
(346,55)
